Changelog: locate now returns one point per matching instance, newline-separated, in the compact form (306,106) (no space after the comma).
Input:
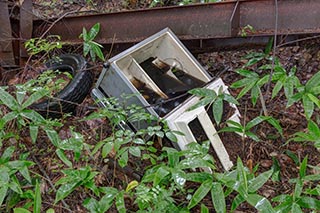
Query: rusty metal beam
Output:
(194,22)
(6,49)
(26,24)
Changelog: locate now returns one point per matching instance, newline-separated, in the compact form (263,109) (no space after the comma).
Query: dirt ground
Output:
(305,56)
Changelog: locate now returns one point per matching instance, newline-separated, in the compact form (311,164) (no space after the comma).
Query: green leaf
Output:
(98,51)
(217,197)
(255,92)
(203,92)
(19,164)
(34,97)
(284,207)
(297,189)
(34,132)
(198,177)
(203,102)
(308,106)
(37,199)
(241,83)
(7,154)
(123,160)
(293,156)
(160,174)
(86,48)
(260,203)
(217,110)
(313,82)
(255,121)
(92,53)
(230,99)
(253,61)
(20,95)
(303,167)
(302,137)
(132,185)
(171,136)
(269,46)
(289,85)
(242,177)
(314,128)
(204,209)
(200,193)
(247,73)
(106,201)
(8,100)
(296,208)
(24,171)
(32,115)
(252,136)
(309,202)
(20,210)
(3,193)
(275,123)
(246,89)
(234,124)
(276,89)
(179,177)
(94,31)
(259,181)
(106,149)
(15,186)
(263,80)
(135,151)
(92,205)
(231,129)
(314,99)
(53,136)
(139,141)
(10,116)
(65,189)
(120,202)
(193,163)
(63,157)
(50,211)
(173,157)
(236,202)
(294,98)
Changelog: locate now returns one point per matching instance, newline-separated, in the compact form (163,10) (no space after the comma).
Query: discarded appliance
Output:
(160,71)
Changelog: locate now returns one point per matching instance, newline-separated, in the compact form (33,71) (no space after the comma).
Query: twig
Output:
(111,48)
(298,40)
(56,21)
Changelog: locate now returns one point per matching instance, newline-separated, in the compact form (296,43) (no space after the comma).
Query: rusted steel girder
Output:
(6,49)
(26,24)
(200,22)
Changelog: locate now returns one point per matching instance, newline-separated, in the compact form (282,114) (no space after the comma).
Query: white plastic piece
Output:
(180,118)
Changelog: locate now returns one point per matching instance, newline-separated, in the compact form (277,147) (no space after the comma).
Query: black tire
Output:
(74,93)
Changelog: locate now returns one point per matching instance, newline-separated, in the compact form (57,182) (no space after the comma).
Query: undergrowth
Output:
(174,180)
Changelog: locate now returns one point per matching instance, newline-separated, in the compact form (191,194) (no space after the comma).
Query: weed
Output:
(89,45)
(296,201)
(244,130)
(35,46)
(73,179)
(246,30)
(8,172)
(210,97)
